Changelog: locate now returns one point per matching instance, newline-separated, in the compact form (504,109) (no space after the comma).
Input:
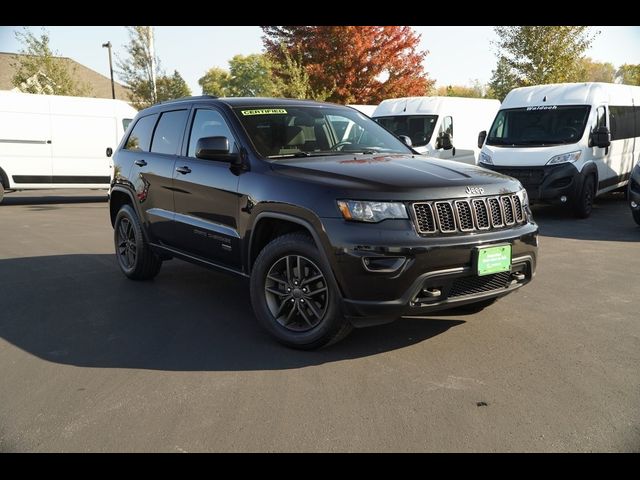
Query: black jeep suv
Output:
(336,221)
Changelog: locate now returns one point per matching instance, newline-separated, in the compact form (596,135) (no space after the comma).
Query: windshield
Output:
(306,131)
(418,128)
(536,126)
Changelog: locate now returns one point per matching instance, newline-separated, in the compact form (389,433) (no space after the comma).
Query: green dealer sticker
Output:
(265,111)
(494,260)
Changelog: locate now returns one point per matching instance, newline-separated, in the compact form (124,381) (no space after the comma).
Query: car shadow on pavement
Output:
(80,310)
(610,220)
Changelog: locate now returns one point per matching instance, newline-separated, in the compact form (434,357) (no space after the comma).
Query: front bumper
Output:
(547,183)
(389,271)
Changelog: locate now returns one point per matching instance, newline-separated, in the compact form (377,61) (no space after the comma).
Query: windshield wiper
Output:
(291,155)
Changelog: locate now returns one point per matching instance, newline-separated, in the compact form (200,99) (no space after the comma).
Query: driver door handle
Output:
(183,170)
(140,163)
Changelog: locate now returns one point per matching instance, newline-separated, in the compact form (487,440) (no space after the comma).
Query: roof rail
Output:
(182,99)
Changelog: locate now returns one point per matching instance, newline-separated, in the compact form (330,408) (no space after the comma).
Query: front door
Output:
(206,195)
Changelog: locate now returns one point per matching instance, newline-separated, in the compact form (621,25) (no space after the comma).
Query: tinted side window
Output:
(209,123)
(168,134)
(622,120)
(140,137)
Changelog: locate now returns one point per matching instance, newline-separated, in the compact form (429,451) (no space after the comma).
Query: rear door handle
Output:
(140,163)
(183,170)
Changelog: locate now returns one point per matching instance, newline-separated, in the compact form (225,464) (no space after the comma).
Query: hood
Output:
(526,156)
(402,176)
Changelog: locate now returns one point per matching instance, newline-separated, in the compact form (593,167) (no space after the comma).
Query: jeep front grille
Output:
(469,215)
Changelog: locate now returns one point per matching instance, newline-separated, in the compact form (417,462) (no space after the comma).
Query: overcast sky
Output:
(458,55)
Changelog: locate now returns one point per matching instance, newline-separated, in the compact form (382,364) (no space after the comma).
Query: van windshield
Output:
(309,131)
(538,126)
(418,128)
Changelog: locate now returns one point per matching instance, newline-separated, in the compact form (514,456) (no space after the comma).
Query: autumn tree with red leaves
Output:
(357,64)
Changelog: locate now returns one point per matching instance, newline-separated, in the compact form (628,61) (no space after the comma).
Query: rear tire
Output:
(583,203)
(294,295)
(135,257)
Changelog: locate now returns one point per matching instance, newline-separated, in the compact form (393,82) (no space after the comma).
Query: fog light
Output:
(563,199)
(634,204)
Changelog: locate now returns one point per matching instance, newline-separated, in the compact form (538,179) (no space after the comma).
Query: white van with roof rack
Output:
(54,141)
(441,127)
(568,142)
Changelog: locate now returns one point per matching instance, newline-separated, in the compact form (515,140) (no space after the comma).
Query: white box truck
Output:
(441,127)
(566,142)
(52,141)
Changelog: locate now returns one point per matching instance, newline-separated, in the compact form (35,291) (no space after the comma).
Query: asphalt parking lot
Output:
(90,361)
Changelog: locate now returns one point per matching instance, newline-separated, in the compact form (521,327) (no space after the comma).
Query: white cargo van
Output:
(566,142)
(442,127)
(366,109)
(51,141)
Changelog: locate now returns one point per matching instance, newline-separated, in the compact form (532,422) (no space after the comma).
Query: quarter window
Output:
(140,137)
(209,123)
(168,134)
(622,121)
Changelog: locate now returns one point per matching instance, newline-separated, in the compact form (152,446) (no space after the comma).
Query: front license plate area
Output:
(493,259)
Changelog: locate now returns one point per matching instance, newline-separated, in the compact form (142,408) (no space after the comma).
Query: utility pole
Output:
(113,88)
(152,54)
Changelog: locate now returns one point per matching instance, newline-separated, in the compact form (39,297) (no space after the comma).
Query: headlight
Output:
(364,211)
(484,158)
(565,158)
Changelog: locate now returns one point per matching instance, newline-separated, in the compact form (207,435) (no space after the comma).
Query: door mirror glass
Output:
(444,141)
(482,136)
(601,137)
(109,151)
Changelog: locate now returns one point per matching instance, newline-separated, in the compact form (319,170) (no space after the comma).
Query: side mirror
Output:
(406,140)
(444,141)
(109,151)
(482,136)
(601,137)
(216,148)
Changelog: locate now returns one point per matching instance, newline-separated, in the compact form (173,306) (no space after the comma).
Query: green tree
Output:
(592,71)
(140,67)
(170,87)
(503,80)
(215,82)
(535,55)
(294,79)
(477,90)
(629,74)
(252,76)
(40,70)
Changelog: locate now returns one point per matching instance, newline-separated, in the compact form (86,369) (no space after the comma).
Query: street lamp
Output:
(113,88)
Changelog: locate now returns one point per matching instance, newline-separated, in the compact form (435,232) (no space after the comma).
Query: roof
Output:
(99,84)
(586,93)
(432,105)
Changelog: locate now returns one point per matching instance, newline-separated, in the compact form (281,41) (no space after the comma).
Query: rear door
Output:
(25,140)
(206,194)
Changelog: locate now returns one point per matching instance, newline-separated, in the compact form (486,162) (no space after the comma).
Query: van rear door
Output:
(25,140)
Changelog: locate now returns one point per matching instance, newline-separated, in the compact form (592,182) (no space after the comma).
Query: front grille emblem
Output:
(474,190)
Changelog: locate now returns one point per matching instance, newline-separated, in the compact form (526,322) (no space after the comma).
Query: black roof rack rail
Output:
(182,99)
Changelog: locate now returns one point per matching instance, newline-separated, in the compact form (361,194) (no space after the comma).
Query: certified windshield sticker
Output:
(265,111)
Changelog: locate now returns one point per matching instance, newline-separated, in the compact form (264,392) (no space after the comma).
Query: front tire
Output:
(294,295)
(135,257)
(583,203)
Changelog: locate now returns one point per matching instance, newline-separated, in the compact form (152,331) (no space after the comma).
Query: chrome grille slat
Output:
(468,215)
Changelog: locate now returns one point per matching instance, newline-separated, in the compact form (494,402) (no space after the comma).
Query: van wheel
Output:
(135,258)
(1,192)
(583,203)
(294,295)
